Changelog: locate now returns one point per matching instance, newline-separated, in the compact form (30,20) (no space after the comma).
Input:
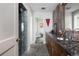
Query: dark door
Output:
(22,29)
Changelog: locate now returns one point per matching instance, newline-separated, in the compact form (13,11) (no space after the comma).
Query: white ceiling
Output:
(73,7)
(37,6)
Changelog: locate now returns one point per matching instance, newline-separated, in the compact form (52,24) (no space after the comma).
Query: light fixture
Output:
(43,8)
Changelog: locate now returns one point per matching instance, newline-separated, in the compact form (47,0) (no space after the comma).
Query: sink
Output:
(61,40)
(70,46)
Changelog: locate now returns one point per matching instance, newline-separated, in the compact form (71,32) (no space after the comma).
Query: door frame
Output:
(19,30)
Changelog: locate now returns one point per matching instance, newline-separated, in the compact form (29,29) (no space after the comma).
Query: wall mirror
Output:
(75,17)
(71,16)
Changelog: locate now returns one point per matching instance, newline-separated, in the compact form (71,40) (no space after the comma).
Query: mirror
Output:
(71,16)
(75,17)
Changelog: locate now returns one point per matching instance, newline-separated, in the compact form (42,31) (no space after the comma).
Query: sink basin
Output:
(59,38)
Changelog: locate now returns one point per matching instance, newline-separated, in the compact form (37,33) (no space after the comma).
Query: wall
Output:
(42,16)
(29,25)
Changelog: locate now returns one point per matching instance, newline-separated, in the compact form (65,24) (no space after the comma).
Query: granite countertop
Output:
(71,47)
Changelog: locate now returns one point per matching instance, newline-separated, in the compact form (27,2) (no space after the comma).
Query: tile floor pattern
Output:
(38,50)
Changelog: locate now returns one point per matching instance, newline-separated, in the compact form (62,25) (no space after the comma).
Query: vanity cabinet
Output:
(54,48)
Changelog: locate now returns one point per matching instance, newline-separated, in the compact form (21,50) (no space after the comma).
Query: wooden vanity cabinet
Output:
(54,48)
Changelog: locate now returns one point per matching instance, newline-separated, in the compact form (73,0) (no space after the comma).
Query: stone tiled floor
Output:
(38,50)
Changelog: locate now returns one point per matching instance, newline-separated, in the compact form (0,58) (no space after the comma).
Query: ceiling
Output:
(72,7)
(49,7)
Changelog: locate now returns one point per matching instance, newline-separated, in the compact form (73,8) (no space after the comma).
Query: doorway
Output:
(22,29)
